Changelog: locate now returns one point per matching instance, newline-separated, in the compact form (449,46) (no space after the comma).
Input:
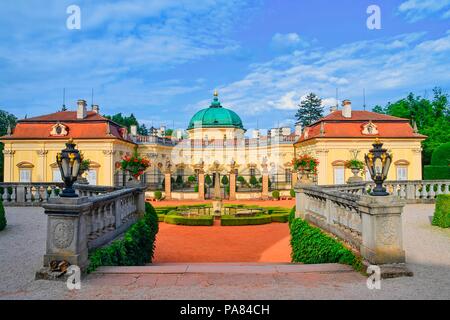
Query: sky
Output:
(162,59)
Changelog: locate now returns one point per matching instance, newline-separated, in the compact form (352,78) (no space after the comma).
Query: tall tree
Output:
(6,120)
(309,110)
(432,118)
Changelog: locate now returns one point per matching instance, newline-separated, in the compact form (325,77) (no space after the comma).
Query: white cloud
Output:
(281,41)
(379,66)
(415,10)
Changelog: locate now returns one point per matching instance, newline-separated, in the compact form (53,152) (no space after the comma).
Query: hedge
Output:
(436,172)
(441,155)
(441,216)
(227,220)
(291,216)
(189,221)
(135,248)
(280,217)
(310,246)
(2,216)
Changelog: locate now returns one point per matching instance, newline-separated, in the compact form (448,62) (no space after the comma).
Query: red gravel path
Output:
(262,203)
(264,243)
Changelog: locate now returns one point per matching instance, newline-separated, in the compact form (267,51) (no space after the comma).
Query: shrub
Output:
(135,248)
(179,180)
(436,172)
(192,179)
(227,220)
(208,180)
(158,195)
(253,181)
(291,215)
(310,246)
(241,180)
(280,217)
(441,155)
(196,188)
(189,221)
(292,193)
(2,216)
(441,216)
(225,180)
(276,194)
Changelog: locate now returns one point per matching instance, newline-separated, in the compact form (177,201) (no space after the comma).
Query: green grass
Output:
(189,221)
(227,220)
(441,216)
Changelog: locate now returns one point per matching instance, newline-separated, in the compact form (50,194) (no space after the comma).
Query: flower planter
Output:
(355,178)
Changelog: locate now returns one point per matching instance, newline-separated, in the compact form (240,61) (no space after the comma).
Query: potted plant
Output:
(306,166)
(355,166)
(84,167)
(135,166)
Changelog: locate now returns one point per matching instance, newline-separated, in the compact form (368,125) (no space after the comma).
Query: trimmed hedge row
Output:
(2,216)
(441,216)
(189,221)
(310,245)
(227,220)
(291,216)
(280,217)
(136,248)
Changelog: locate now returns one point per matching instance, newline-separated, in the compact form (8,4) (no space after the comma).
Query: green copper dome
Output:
(216,116)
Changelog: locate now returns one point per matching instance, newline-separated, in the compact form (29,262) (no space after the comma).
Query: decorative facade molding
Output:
(8,152)
(41,153)
(369,128)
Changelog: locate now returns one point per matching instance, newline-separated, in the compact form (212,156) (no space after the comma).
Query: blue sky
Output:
(162,59)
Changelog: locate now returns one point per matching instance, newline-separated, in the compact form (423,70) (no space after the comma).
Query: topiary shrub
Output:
(136,248)
(276,194)
(440,164)
(292,193)
(441,216)
(291,215)
(158,195)
(192,179)
(208,180)
(253,181)
(2,216)
(225,180)
(311,246)
(280,217)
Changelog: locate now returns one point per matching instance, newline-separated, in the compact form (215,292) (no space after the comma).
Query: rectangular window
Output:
(339,175)
(252,172)
(402,173)
(25,175)
(56,175)
(288,175)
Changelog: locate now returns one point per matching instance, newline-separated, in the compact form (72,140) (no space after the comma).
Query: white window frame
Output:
(23,170)
(335,169)
(400,168)
(58,175)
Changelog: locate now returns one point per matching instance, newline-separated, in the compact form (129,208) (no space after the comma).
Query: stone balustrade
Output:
(77,225)
(21,194)
(371,225)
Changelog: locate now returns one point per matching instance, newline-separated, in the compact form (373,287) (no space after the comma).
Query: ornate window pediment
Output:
(25,165)
(369,128)
(59,130)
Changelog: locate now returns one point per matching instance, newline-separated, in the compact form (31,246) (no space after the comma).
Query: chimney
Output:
(81,111)
(347,109)
(133,130)
(96,108)
(298,129)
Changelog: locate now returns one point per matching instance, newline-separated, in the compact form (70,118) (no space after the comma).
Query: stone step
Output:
(242,268)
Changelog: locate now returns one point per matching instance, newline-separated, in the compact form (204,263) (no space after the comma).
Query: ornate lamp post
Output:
(69,162)
(378,161)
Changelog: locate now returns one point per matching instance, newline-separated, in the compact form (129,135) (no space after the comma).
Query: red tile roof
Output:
(336,126)
(94,126)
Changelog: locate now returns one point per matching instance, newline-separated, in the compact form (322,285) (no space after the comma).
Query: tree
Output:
(142,130)
(431,117)
(225,180)
(309,110)
(168,132)
(6,120)
(208,180)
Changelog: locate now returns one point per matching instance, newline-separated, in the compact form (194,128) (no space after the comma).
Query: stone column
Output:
(322,156)
(232,184)
(217,193)
(41,166)
(8,165)
(66,230)
(167,185)
(265,182)
(108,170)
(201,185)
(382,241)
(300,202)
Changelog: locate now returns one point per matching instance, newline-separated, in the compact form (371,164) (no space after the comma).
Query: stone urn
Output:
(133,182)
(355,178)
(305,176)
(81,179)
(217,206)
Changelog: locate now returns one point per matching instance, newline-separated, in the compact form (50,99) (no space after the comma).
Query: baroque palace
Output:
(213,152)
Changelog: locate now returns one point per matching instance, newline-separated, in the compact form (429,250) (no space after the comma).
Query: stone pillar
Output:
(294,178)
(265,186)
(108,169)
(217,193)
(66,230)
(8,165)
(382,241)
(300,202)
(167,185)
(232,185)
(201,185)
(140,202)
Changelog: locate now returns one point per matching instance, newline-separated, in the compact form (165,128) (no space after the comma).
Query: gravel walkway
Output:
(428,253)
